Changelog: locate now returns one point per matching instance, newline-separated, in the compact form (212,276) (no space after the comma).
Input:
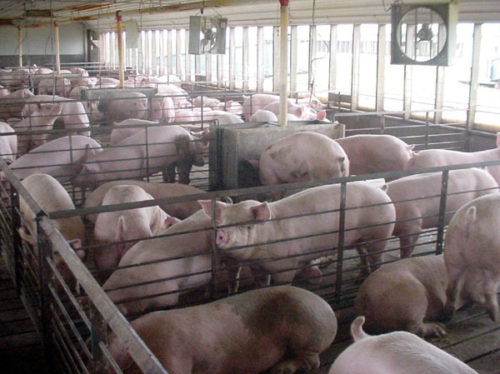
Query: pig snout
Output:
(221,238)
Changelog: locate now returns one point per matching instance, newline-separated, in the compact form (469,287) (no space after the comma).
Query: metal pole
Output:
(283,62)
(119,29)
(56,41)
(20,45)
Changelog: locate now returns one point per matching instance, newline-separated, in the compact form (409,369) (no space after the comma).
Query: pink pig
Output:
(398,352)
(294,230)
(125,227)
(150,150)
(442,157)
(273,330)
(375,153)
(62,157)
(8,143)
(472,249)
(417,200)
(300,157)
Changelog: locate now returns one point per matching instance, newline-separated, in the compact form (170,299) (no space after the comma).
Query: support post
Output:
(20,45)
(119,29)
(58,52)
(283,62)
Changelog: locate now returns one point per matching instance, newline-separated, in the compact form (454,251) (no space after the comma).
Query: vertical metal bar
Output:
(380,85)
(119,34)
(276,58)
(147,151)
(232,54)
(474,76)
(382,124)
(356,37)
(57,52)
(16,239)
(283,66)
(442,211)
(98,333)
(332,81)
(20,45)
(293,58)
(340,246)
(44,249)
(260,59)
(246,58)
(213,288)
(426,140)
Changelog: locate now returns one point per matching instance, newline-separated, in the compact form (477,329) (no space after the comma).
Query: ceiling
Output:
(100,15)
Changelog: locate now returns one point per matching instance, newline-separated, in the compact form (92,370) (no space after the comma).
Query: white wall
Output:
(40,41)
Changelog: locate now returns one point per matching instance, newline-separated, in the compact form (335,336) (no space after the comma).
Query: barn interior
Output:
(180,100)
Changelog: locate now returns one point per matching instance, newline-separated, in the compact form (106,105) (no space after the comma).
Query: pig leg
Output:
(106,259)
(407,244)
(169,174)
(455,280)
(184,168)
(491,302)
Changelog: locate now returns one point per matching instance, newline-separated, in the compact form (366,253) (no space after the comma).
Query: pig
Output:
(424,191)
(162,108)
(4,91)
(166,147)
(300,157)
(157,190)
(298,111)
(8,143)
(296,229)
(125,227)
(472,248)
(262,115)
(376,153)
(54,86)
(41,119)
(276,330)
(442,157)
(122,105)
(178,95)
(407,295)
(51,196)
(398,352)
(12,104)
(205,101)
(61,157)
(164,267)
(77,70)
(253,103)
(124,129)
(15,79)
(224,118)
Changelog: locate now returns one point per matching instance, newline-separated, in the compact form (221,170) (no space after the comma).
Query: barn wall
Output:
(38,45)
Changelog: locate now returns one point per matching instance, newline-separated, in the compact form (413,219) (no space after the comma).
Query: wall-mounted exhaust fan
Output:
(423,34)
(207,35)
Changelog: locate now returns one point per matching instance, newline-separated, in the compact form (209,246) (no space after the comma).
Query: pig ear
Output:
(170,221)
(261,212)
(207,208)
(321,115)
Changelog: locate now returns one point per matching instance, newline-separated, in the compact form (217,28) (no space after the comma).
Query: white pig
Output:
(472,248)
(294,230)
(41,119)
(61,157)
(398,352)
(166,146)
(51,197)
(125,227)
(274,330)
(301,157)
(124,129)
(8,143)
(157,190)
(423,192)
(442,157)
(408,295)
(169,265)
(262,115)
(375,153)
(12,104)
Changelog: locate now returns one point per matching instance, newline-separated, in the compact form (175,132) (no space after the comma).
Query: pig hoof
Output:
(291,366)
(433,329)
